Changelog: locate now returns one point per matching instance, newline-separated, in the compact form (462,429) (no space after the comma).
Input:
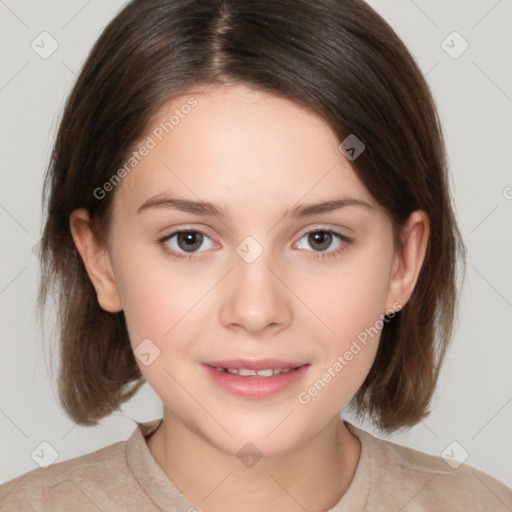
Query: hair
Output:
(339,59)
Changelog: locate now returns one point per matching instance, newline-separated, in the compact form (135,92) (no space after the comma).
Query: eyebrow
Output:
(212,209)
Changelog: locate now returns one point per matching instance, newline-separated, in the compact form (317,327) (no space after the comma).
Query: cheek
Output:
(159,296)
(162,303)
(350,303)
(350,298)
(345,362)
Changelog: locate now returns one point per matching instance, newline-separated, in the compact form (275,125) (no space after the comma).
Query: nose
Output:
(256,298)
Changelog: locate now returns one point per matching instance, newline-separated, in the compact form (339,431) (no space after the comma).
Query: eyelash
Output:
(162,242)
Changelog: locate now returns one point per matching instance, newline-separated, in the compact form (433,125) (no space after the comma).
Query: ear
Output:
(96,260)
(408,262)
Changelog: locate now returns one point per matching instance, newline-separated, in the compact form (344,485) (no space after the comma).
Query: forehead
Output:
(233,143)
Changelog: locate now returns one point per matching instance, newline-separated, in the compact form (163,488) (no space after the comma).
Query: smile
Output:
(255,379)
(247,372)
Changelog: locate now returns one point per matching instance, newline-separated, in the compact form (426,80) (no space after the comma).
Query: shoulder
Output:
(74,483)
(414,480)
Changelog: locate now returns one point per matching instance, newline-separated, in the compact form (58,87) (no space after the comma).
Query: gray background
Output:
(473,403)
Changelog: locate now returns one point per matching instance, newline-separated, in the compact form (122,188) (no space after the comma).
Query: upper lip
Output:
(255,364)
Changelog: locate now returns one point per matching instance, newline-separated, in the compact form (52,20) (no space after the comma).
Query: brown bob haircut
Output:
(338,58)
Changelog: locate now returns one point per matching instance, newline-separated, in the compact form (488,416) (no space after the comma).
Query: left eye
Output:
(184,244)
(321,239)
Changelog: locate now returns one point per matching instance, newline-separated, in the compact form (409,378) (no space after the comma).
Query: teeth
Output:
(265,373)
(246,372)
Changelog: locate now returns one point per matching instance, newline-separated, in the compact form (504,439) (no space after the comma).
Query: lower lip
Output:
(255,386)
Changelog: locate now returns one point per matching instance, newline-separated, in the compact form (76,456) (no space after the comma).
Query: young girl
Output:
(248,208)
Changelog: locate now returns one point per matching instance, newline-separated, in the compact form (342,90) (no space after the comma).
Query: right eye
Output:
(182,243)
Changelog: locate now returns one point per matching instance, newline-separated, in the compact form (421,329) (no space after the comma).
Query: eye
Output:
(183,243)
(325,242)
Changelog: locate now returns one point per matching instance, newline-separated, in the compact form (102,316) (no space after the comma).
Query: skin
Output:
(257,155)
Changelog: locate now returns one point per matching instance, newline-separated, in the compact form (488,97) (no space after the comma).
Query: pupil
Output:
(323,238)
(189,241)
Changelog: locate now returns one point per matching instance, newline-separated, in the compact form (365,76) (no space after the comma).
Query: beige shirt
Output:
(124,477)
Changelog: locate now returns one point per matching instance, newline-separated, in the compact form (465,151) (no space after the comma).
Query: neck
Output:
(217,481)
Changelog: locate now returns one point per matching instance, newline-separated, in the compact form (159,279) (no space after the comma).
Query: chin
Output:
(260,438)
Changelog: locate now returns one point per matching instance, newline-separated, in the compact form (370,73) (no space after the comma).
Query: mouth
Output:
(247,372)
(255,378)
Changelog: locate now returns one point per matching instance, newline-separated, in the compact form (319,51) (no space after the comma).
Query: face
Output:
(263,283)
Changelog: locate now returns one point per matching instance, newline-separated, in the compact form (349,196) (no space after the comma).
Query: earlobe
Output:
(409,261)
(96,260)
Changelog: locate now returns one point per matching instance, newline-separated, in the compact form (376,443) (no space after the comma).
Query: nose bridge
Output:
(256,298)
